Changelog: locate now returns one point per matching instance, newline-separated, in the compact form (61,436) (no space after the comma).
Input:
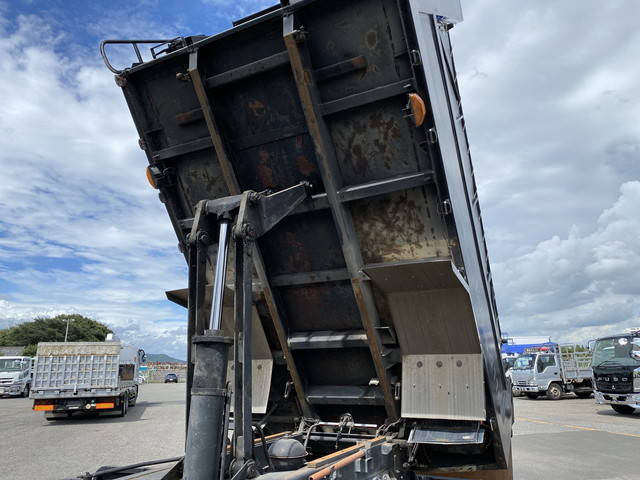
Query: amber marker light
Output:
(43,408)
(150,178)
(418,109)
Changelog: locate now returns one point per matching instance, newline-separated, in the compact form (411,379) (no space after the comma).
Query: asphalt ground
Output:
(32,448)
(574,439)
(566,439)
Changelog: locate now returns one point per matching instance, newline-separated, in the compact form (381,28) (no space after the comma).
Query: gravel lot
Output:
(568,439)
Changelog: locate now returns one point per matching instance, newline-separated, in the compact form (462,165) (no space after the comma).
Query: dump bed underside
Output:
(365,294)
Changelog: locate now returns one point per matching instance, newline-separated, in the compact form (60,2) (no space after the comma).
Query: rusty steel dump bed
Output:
(374,297)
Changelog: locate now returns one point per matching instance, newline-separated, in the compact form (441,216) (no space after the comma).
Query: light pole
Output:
(66,333)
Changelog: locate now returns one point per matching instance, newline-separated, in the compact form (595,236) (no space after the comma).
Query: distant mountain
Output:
(161,357)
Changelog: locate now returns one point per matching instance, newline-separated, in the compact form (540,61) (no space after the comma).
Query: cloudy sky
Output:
(552,102)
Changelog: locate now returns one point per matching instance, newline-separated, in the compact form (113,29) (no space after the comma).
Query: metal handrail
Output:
(172,44)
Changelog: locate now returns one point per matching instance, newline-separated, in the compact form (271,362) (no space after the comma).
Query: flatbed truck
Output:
(74,378)
(553,370)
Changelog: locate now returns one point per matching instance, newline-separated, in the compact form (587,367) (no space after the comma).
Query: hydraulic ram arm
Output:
(254,215)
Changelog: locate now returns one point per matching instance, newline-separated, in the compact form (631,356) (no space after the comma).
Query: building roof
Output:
(11,351)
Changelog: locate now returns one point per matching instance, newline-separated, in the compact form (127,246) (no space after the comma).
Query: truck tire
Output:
(623,409)
(531,395)
(554,392)
(124,406)
(26,391)
(134,399)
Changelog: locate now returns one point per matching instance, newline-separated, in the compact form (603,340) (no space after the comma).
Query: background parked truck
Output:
(553,370)
(71,377)
(616,371)
(15,376)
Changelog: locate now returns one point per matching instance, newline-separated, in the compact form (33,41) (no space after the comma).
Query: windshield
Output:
(12,365)
(508,362)
(621,351)
(524,362)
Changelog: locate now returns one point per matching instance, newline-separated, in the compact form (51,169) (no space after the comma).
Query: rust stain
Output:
(371,39)
(310,295)
(265,172)
(360,164)
(299,261)
(395,227)
(257,108)
(305,167)
(359,61)
(371,144)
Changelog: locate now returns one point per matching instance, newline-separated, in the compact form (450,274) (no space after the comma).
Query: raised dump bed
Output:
(374,297)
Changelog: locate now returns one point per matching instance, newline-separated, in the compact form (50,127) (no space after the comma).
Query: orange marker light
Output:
(150,178)
(102,406)
(418,109)
(43,408)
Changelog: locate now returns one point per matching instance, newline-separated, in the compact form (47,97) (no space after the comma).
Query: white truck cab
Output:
(15,376)
(553,370)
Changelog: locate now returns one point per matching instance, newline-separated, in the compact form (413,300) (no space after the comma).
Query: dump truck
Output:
(15,376)
(341,319)
(616,371)
(73,378)
(553,370)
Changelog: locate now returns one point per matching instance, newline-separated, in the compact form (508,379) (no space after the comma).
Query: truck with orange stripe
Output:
(85,378)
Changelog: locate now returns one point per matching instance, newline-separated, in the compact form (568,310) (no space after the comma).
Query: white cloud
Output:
(238,9)
(553,114)
(552,110)
(80,229)
(579,286)
(553,118)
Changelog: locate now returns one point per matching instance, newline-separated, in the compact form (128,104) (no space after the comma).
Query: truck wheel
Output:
(26,391)
(554,392)
(134,399)
(124,403)
(623,409)
(583,394)
(532,396)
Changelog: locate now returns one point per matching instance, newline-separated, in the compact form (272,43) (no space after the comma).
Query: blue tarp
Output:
(518,349)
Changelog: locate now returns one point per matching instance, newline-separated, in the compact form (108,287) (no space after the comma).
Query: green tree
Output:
(29,350)
(81,329)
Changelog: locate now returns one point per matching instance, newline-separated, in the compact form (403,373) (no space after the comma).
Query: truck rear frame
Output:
(84,377)
(363,324)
